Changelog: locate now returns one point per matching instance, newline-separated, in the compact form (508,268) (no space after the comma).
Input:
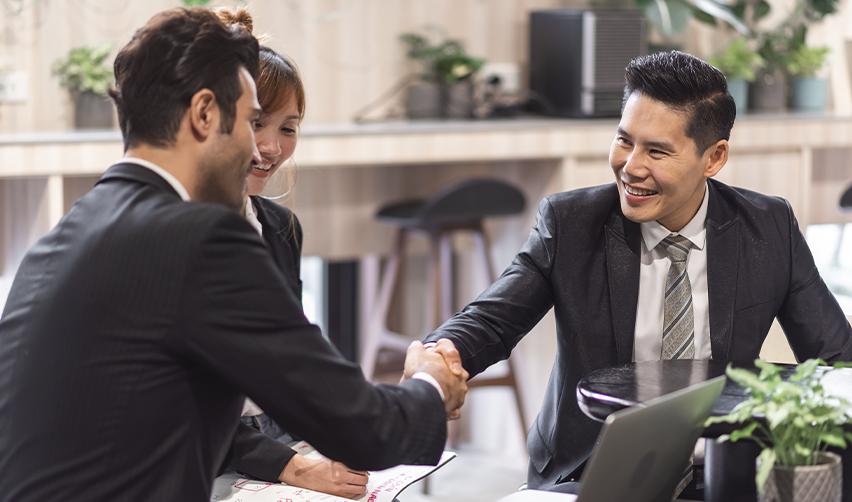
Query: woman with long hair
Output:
(259,447)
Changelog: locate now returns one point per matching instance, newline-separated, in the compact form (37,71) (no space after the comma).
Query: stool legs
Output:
(377,334)
(510,378)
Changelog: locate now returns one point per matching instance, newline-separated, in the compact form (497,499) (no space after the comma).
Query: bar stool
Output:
(458,208)
(846,199)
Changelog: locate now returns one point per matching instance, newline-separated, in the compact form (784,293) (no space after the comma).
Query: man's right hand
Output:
(324,475)
(453,381)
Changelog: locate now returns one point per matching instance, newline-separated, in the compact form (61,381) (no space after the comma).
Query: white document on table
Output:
(383,486)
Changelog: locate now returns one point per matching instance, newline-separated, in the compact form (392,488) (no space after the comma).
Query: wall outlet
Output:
(13,87)
(509,74)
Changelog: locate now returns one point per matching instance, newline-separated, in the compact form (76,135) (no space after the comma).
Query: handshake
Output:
(443,362)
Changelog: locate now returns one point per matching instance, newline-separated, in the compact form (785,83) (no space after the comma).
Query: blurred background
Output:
(406,98)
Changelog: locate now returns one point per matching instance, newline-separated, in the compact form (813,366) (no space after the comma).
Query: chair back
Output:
(474,199)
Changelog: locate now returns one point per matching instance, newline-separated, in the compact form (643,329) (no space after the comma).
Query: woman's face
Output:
(275,134)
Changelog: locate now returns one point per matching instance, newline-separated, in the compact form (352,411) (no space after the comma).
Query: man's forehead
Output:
(651,113)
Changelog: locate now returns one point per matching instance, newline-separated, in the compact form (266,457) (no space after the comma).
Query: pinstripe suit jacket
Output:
(134,330)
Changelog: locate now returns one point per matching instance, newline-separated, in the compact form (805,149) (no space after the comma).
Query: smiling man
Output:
(665,263)
(136,328)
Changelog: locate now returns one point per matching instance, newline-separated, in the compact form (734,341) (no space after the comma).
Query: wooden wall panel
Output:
(348,50)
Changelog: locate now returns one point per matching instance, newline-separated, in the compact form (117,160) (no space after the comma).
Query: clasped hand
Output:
(443,362)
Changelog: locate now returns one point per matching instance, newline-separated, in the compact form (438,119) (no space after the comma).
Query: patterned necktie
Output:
(678,320)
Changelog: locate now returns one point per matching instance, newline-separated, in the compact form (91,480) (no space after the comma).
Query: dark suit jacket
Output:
(133,332)
(582,259)
(253,453)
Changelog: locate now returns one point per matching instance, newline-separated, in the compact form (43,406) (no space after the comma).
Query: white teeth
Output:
(263,168)
(638,191)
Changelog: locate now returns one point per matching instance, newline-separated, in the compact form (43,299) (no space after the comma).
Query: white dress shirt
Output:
(169,177)
(653,269)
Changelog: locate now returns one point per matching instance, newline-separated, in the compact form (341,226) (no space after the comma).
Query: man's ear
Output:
(717,156)
(203,114)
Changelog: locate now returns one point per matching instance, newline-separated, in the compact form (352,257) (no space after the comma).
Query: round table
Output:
(728,467)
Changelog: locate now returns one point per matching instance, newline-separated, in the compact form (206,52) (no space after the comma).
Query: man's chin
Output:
(636,216)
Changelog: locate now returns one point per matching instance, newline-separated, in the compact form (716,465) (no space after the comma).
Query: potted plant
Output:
(445,84)
(739,63)
(769,90)
(808,92)
(793,421)
(87,76)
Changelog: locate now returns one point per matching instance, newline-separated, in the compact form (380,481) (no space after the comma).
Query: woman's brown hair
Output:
(278,78)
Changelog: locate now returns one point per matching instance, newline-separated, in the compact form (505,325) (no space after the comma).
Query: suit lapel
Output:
(271,225)
(622,259)
(723,236)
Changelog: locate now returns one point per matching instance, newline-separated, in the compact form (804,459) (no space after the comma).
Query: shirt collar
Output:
(696,230)
(169,177)
(251,216)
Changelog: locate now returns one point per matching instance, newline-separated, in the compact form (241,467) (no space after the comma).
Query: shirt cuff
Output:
(426,377)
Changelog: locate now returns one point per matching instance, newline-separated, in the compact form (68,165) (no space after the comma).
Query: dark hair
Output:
(278,79)
(177,53)
(686,83)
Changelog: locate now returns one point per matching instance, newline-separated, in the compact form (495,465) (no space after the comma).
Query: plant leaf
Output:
(745,432)
(765,463)
(712,8)
(835,440)
(761,10)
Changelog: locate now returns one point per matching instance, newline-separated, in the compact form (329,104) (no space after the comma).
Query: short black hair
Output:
(176,54)
(685,82)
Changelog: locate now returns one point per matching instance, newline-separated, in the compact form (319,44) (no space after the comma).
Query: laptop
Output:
(642,451)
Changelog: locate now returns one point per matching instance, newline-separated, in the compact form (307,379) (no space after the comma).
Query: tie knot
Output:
(676,247)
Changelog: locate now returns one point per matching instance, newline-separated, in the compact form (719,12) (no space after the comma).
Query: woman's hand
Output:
(325,476)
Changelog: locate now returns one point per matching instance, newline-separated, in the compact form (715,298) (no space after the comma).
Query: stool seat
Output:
(846,199)
(464,204)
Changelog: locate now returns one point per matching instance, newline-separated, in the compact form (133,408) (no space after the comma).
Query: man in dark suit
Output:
(665,263)
(136,327)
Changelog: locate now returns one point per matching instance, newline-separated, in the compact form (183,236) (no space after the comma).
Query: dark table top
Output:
(608,390)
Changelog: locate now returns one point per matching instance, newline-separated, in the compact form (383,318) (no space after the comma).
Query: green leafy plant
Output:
(792,420)
(196,3)
(670,17)
(738,61)
(444,61)
(85,70)
(789,37)
(806,61)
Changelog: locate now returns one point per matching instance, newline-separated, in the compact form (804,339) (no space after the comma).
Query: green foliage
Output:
(445,61)
(671,17)
(806,61)
(792,420)
(778,45)
(85,70)
(196,3)
(738,61)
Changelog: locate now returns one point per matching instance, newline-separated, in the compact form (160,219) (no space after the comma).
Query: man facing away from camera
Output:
(135,329)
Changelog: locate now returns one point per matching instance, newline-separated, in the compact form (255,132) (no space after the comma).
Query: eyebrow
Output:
(656,145)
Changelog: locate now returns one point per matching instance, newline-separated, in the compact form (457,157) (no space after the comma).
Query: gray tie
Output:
(678,321)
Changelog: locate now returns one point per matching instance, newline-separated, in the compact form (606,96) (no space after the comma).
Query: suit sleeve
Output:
(488,329)
(812,320)
(246,326)
(255,454)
